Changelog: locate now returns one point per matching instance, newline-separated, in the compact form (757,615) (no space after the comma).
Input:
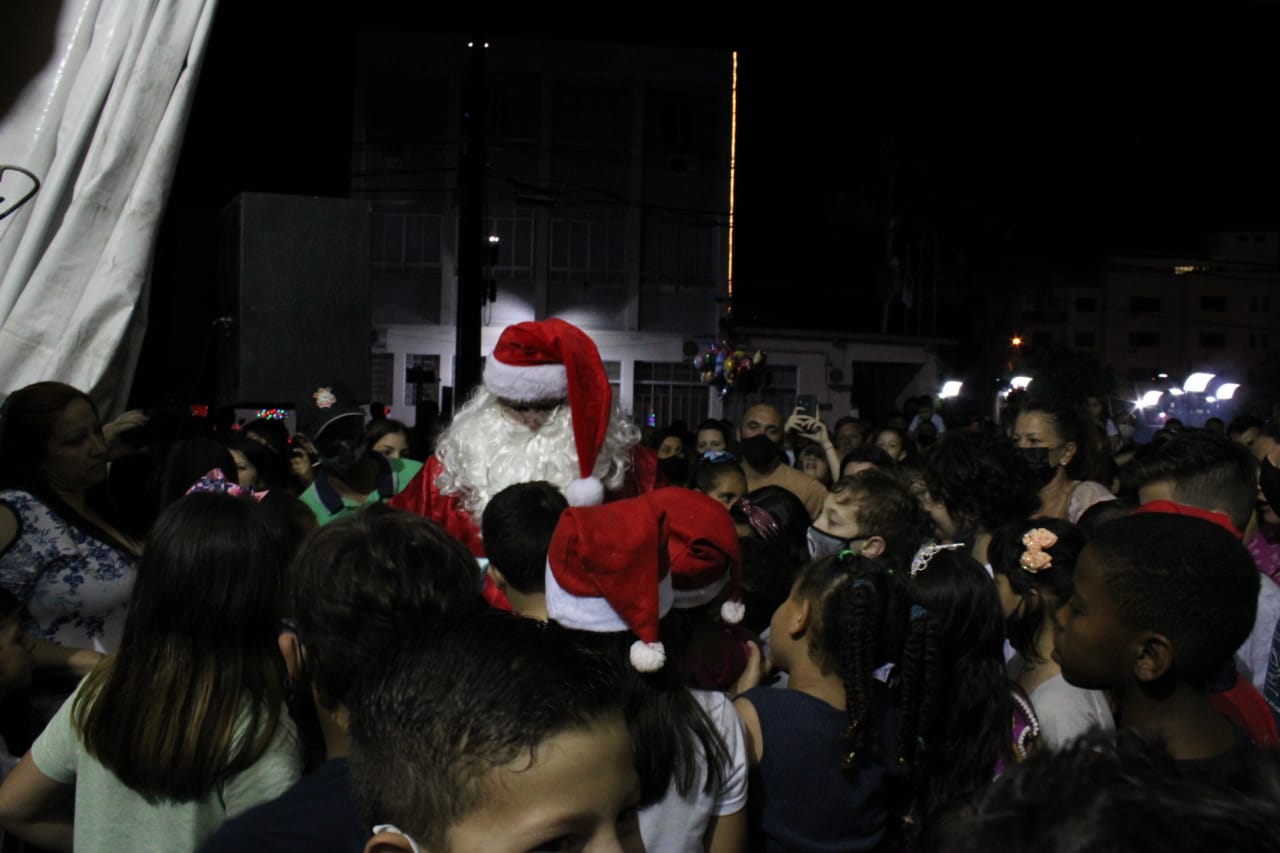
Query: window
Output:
(1144,339)
(1085,340)
(1144,304)
(589,242)
(595,116)
(613,372)
(421,379)
(404,240)
(1213,303)
(1213,340)
(680,254)
(514,227)
(514,109)
(381,383)
(666,392)
(402,108)
(1086,304)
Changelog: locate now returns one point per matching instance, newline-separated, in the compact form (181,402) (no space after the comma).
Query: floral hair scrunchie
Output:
(1035,558)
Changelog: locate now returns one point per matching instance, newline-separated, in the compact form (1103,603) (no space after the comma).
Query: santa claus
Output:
(544,412)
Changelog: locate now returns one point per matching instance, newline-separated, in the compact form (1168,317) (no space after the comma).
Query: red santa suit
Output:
(536,362)
(424,497)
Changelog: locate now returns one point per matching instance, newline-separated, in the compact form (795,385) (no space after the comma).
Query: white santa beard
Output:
(483,451)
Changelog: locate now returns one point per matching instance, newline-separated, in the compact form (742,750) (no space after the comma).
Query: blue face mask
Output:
(823,544)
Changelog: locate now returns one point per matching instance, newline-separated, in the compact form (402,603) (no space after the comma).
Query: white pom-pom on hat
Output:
(585,491)
(607,571)
(648,657)
(732,611)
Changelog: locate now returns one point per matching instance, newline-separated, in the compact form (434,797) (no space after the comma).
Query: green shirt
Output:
(110,816)
(329,506)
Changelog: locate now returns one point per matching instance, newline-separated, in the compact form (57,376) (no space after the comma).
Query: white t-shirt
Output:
(1252,656)
(1066,711)
(677,825)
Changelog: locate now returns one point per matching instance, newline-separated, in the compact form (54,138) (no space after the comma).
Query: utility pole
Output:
(471,236)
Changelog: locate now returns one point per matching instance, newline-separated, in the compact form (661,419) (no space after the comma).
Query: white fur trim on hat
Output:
(585,491)
(594,614)
(648,657)
(525,384)
(733,611)
(689,598)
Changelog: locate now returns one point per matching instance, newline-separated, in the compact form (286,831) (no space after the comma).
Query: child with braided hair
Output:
(833,755)
(986,723)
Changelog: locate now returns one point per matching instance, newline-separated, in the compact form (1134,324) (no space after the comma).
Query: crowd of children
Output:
(973,641)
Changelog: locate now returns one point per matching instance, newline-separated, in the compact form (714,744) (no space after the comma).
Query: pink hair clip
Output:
(1036,558)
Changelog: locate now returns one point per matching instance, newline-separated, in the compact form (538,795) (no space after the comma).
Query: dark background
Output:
(1014,145)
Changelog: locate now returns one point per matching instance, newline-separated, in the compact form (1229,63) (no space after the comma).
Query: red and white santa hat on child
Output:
(550,360)
(607,571)
(702,544)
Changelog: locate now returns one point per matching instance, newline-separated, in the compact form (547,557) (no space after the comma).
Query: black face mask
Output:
(1037,459)
(675,469)
(760,452)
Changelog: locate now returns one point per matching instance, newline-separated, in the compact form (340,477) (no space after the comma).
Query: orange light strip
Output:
(733,156)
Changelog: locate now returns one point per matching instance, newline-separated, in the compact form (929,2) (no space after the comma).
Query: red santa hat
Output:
(607,571)
(702,544)
(550,360)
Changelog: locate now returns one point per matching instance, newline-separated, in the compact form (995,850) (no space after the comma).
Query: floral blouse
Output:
(76,587)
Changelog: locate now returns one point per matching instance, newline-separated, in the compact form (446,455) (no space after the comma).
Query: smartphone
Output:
(808,403)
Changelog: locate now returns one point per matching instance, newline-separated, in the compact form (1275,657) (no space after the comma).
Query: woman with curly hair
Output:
(975,483)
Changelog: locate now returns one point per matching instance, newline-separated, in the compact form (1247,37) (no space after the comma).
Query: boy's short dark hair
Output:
(1116,792)
(453,703)
(884,507)
(869,453)
(517,527)
(1207,471)
(360,583)
(1243,423)
(1185,578)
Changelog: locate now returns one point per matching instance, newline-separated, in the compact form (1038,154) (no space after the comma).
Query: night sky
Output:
(1020,142)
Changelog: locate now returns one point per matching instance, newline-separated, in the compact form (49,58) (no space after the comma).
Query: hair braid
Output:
(854,606)
(919,684)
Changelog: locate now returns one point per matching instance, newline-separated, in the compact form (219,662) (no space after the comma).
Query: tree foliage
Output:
(1066,376)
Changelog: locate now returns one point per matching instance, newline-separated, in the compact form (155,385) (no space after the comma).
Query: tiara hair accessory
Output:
(1035,558)
(927,552)
(760,520)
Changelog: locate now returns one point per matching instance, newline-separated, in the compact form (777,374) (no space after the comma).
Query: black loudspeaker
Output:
(293,280)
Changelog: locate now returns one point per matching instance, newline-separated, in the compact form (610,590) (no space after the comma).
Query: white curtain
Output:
(101,126)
